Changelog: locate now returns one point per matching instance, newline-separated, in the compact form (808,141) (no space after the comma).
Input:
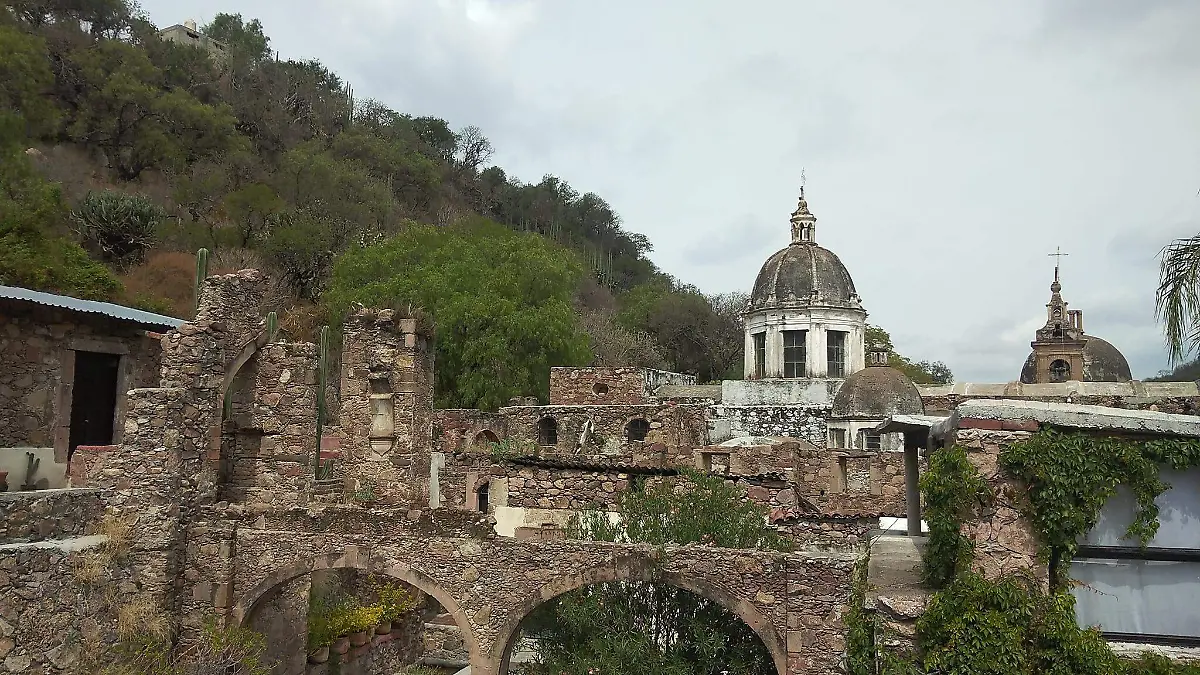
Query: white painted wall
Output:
(15,462)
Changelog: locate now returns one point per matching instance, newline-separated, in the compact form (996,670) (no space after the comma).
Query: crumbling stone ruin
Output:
(233,487)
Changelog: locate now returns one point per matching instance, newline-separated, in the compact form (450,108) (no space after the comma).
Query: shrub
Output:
(121,226)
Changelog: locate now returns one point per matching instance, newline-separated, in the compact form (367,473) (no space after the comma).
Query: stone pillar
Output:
(387,404)
(818,357)
(912,483)
(774,352)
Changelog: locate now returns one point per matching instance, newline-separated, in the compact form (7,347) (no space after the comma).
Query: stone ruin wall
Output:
(1004,542)
(675,426)
(943,403)
(610,386)
(460,430)
(37,356)
(805,422)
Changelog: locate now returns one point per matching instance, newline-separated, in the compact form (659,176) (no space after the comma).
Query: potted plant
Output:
(364,620)
(321,615)
(396,601)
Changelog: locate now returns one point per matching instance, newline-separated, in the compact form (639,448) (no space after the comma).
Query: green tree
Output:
(920,372)
(246,40)
(698,334)
(627,628)
(32,254)
(501,303)
(121,226)
(26,79)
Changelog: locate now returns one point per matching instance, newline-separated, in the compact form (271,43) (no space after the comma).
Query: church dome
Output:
(877,391)
(1102,362)
(803,274)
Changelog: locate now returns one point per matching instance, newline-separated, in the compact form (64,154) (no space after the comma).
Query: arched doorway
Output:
(483,438)
(635,576)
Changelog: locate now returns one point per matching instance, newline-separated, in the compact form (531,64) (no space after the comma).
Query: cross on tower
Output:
(802,180)
(1057,255)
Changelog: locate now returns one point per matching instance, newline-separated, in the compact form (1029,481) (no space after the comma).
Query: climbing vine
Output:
(951,488)
(1014,626)
(1071,475)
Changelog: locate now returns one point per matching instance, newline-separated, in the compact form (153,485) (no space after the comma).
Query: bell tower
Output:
(1058,345)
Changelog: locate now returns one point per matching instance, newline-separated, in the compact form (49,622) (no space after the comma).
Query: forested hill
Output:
(124,153)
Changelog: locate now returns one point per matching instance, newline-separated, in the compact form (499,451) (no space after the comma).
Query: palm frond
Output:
(1177,302)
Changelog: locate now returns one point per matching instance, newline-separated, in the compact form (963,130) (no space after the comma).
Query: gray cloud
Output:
(949,146)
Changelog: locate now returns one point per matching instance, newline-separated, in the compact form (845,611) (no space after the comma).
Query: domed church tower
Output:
(804,319)
(1063,352)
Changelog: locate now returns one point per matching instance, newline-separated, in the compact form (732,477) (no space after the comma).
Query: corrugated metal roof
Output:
(91,306)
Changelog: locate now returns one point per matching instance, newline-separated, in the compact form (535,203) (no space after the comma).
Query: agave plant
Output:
(121,226)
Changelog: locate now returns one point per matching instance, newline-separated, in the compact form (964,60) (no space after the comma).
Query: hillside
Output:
(124,153)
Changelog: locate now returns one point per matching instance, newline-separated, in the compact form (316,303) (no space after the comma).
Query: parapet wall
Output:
(1169,397)
(610,386)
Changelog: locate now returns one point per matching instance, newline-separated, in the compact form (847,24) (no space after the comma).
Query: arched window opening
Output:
(481,497)
(1060,371)
(547,431)
(600,389)
(485,437)
(637,429)
(666,619)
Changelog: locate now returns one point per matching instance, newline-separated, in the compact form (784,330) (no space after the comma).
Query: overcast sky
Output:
(949,146)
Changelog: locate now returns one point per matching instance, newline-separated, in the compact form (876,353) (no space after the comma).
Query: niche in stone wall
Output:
(383,420)
(637,429)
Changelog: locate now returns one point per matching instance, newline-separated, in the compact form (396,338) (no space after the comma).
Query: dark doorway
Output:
(93,399)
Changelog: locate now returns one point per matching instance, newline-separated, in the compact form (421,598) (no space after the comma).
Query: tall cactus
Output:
(201,273)
(272,326)
(322,380)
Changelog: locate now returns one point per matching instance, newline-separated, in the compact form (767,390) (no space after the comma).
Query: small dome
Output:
(1102,362)
(800,275)
(877,392)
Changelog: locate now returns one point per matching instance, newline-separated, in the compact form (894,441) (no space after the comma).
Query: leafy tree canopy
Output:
(920,372)
(245,39)
(501,302)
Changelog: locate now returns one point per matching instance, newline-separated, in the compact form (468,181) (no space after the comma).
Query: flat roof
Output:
(108,309)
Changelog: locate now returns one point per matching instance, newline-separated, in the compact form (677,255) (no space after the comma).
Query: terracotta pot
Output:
(319,656)
(341,645)
(360,638)
(383,628)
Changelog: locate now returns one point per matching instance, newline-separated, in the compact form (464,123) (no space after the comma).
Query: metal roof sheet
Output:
(91,306)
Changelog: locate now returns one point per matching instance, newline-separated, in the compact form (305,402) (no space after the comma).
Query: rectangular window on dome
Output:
(870,440)
(836,353)
(794,352)
(837,438)
(760,354)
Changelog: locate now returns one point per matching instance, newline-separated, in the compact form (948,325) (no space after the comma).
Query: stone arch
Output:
(636,429)
(637,568)
(243,610)
(486,436)
(547,431)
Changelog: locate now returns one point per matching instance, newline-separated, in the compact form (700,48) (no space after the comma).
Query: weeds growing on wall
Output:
(1071,475)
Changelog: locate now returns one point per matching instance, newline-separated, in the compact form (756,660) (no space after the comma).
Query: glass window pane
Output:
(760,354)
(1178,515)
(1138,596)
(794,353)
(836,353)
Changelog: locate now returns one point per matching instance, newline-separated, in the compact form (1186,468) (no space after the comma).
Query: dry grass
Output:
(119,531)
(90,567)
(140,618)
(168,276)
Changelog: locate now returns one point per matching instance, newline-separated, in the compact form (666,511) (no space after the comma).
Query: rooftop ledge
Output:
(1075,416)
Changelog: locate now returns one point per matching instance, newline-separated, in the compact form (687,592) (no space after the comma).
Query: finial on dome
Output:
(877,355)
(804,223)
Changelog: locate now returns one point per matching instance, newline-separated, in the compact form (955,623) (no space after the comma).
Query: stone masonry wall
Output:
(48,514)
(806,422)
(458,430)
(1179,405)
(794,601)
(610,386)
(1004,542)
(387,406)
(36,362)
(681,426)
(275,461)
